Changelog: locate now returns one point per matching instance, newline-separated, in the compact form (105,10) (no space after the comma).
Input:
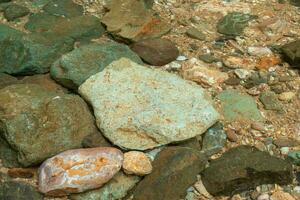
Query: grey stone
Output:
(141,108)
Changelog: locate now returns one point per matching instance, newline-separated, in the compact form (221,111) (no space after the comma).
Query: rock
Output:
(137,163)
(6,32)
(287,96)
(231,135)
(266,62)
(174,171)
(286,142)
(259,51)
(236,106)
(41,22)
(6,80)
(8,156)
(149,3)
(131,20)
(234,62)
(291,52)
(193,143)
(21,172)
(95,140)
(208,58)
(11,190)
(115,189)
(263,197)
(243,168)
(72,69)
(270,101)
(31,54)
(39,3)
(256,79)
(157,108)
(78,170)
(234,23)
(200,73)
(294,157)
(32,118)
(280,195)
(214,140)
(233,81)
(15,11)
(242,73)
(156,52)
(195,33)
(65,8)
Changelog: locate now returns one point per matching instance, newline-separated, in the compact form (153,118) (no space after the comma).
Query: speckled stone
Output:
(136,162)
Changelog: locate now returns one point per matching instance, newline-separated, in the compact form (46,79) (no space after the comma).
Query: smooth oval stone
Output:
(136,162)
(78,170)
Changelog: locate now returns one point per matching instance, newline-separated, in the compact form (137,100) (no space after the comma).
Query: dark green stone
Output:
(6,31)
(66,8)
(12,190)
(41,22)
(15,11)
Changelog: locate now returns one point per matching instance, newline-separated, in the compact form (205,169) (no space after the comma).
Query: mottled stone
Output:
(156,52)
(11,190)
(195,33)
(6,32)
(8,156)
(21,172)
(137,163)
(41,22)
(243,168)
(115,189)
(234,23)
(6,80)
(174,171)
(131,20)
(270,101)
(141,108)
(66,8)
(72,69)
(280,195)
(291,51)
(15,11)
(78,170)
(39,123)
(286,142)
(237,106)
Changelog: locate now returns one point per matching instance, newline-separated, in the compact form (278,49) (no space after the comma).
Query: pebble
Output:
(136,162)
(284,150)
(242,73)
(263,197)
(280,195)
(78,170)
(286,96)
(231,135)
(286,142)
(15,11)
(195,33)
(234,62)
(259,51)
(181,58)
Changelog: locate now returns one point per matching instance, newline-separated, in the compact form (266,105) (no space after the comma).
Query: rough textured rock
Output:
(78,170)
(15,11)
(6,32)
(11,190)
(195,33)
(244,168)
(21,172)
(31,118)
(8,156)
(237,106)
(156,51)
(294,157)
(234,23)
(66,8)
(142,108)
(270,101)
(31,54)
(291,51)
(115,189)
(174,170)
(6,80)
(137,163)
(280,195)
(131,20)
(72,69)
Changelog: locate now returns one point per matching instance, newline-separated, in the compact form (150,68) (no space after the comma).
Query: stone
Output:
(291,52)
(208,58)
(174,171)
(195,34)
(242,73)
(263,197)
(256,79)
(15,11)
(236,106)
(65,8)
(287,96)
(295,2)
(232,136)
(72,69)
(6,32)
(78,170)
(259,51)
(39,3)
(115,189)
(31,54)
(136,162)
(280,195)
(286,142)
(266,62)
(8,156)
(32,118)
(12,190)
(214,139)
(21,172)
(233,81)
(42,21)
(234,62)
(130,20)
(6,80)
(294,157)
(233,24)
(156,52)
(95,140)
(243,168)
(157,108)
(270,101)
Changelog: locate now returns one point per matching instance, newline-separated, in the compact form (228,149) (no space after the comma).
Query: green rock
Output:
(8,156)
(15,11)
(66,8)
(11,190)
(256,79)
(233,24)
(6,32)
(149,3)
(3,6)
(39,123)
(115,189)
(294,157)
(175,169)
(237,106)
(291,52)
(242,169)
(195,33)
(31,54)
(77,66)
(270,101)
(41,22)
(295,2)
(39,3)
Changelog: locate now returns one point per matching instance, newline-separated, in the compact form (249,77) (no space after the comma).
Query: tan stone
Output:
(136,162)
(280,195)
(78,170)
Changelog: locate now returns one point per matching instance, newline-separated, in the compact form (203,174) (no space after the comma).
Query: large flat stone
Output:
(141,108)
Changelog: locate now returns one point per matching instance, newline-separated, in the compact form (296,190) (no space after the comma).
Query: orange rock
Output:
(267,62)
(75,171)
(136,162)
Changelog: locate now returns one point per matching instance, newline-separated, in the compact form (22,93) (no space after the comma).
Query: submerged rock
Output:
(78,170)
(141,108)
(243,168)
